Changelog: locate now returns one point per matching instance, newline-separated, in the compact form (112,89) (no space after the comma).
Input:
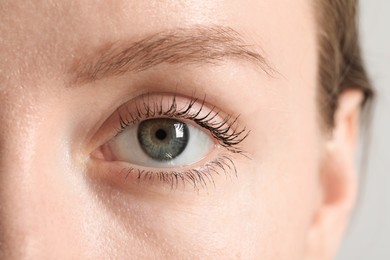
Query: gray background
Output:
(369,234)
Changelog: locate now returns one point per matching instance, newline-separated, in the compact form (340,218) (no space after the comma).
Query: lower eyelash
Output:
(200,178)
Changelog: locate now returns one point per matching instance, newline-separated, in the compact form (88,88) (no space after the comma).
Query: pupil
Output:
(161,134)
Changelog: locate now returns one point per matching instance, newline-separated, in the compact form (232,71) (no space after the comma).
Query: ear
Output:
(337,181)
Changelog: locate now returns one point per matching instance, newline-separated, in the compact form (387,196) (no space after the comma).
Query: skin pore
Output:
(70,71)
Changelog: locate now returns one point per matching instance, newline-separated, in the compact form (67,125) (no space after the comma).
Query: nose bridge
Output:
(17,177)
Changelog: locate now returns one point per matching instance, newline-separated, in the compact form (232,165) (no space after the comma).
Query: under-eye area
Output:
(167,139)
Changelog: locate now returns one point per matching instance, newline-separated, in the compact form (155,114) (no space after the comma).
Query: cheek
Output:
(264,213)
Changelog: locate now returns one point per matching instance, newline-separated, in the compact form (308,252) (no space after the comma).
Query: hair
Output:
(341,65)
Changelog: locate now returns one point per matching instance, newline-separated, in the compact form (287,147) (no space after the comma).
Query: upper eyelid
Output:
(232,138)
(226,129)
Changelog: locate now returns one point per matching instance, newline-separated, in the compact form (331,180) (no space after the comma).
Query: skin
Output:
(290,200)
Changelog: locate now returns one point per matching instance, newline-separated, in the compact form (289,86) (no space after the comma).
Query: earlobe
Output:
(338,180)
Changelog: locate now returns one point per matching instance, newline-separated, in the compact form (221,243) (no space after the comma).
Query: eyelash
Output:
(226,132)
(198,178)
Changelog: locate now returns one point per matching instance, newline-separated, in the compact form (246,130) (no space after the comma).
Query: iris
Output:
(163,139)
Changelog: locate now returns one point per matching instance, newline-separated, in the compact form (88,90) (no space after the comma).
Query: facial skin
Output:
(61,198)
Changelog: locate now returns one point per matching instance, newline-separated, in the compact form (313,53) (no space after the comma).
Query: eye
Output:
(160,142)
(164,138)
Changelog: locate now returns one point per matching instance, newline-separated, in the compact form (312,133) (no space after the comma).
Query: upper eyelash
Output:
(226,132)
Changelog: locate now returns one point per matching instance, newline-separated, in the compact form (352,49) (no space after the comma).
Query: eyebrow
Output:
(199,45)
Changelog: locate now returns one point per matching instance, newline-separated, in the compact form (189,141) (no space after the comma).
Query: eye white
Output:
(126,147)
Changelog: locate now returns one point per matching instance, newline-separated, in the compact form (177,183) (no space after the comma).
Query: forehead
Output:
(44,37)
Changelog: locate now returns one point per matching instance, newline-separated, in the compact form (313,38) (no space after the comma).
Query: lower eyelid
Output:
(194,178)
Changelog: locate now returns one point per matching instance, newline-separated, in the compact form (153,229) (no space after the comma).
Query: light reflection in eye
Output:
(179,130)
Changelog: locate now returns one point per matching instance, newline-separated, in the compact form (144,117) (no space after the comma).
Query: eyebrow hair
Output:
(184,45)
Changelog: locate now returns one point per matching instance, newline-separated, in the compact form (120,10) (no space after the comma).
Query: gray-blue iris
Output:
(163,139)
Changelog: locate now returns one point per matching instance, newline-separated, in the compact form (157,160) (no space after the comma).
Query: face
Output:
(167,129)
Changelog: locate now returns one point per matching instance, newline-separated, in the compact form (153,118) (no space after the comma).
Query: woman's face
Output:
(118,136)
